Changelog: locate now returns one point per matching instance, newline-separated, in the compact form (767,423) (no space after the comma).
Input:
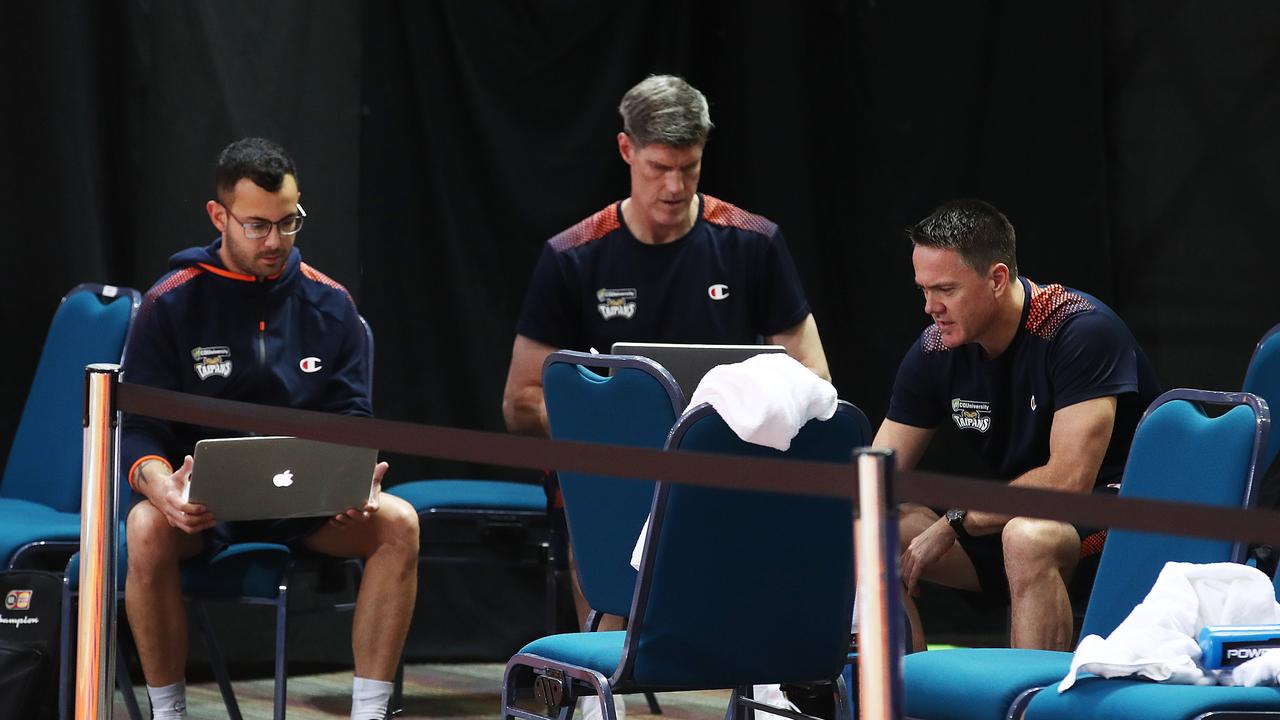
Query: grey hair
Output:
(665,109)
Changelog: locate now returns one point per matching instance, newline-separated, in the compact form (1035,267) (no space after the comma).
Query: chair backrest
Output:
(368,345)
(1263,379)
(89,326)
(1179,453)
(635,406)
(740,587)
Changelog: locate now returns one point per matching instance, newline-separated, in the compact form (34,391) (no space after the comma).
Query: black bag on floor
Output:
(29,643)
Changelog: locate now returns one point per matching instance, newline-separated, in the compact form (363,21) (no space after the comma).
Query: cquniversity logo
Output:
(971,414)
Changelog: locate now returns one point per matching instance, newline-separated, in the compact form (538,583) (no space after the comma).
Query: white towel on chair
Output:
(1158,639)
(766,399)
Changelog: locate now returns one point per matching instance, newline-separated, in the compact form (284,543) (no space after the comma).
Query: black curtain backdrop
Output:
(1133,144)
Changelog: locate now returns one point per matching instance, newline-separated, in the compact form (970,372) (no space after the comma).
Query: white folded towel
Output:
(766,399)
(1158,639)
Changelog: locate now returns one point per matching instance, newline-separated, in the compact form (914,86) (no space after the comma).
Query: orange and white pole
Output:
(96,633)
(879,632)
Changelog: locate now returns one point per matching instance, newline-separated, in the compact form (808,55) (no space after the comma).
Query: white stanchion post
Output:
(96,633)
(879,632)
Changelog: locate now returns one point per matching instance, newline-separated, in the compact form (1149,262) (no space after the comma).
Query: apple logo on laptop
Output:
(284,479)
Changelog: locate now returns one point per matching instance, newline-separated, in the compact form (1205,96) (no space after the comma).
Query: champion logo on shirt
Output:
(971,414)
(309,364)
(616,303)
(719,291)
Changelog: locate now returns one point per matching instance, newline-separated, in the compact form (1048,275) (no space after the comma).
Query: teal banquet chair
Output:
(1179,453)
(635,404)
(699,603)
(40,489)
(1124,699)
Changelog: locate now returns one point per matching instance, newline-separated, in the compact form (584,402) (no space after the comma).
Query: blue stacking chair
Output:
(40,489)
(700,604)
(635,405)
(1123,699)
(605,514)
(505,510)
(1263,379)
(1179,453)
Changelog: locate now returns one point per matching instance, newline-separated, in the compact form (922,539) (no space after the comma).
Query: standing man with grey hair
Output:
(665,264)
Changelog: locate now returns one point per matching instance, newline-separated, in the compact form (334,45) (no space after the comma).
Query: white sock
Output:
(369,698)
(169,702)
(589,708)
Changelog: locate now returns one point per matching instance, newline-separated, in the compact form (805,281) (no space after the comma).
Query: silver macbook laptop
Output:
(687,363)
(259,478)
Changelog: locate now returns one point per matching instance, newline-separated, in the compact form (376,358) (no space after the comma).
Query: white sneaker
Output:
(588,708)
(772,695)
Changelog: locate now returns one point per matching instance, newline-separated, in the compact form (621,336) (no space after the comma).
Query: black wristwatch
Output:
(955,518)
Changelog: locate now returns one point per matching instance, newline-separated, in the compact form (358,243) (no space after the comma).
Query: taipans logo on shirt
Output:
(971,414)
(616,302)
(212,361)
(18,600)
(719,291)
(309,364)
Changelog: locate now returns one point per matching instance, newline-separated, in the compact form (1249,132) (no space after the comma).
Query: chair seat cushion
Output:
(975,682)
(599,651)
(23,522)
(426,495)
(240,570)
(1125,699)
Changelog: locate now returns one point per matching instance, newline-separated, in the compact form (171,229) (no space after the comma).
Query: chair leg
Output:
(397,687)
(219,662)
(844,711)
(654,707)
(553,593)
(282,674)
(64,655)
(124,684)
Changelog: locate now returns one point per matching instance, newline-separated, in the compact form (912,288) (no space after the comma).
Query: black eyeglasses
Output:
(258,229)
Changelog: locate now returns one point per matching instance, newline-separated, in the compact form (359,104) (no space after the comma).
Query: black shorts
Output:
(290,532)
(986,552)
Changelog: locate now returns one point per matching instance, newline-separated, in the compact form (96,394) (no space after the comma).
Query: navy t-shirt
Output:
(1069,348)
(729,280)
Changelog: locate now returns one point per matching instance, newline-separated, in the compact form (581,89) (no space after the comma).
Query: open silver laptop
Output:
(259,478)
(687,363)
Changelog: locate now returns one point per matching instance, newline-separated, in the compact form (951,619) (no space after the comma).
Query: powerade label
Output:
(1238,652)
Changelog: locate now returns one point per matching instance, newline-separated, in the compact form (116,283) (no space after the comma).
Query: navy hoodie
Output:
(294,340)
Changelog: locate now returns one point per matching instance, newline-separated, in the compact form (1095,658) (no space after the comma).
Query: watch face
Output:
(954,516)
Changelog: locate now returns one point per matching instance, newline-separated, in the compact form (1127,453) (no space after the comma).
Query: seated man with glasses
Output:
(245,319)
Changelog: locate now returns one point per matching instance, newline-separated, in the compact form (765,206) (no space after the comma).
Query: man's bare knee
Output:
(398,525)
(1032,546)
(150,537)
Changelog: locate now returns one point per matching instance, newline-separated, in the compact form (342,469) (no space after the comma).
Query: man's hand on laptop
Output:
(190,518)
(363,513)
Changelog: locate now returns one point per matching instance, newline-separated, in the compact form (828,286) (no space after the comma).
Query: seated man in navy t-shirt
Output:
(1046,382)
(667,264)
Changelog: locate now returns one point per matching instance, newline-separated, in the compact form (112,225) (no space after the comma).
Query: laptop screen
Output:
(687,363)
